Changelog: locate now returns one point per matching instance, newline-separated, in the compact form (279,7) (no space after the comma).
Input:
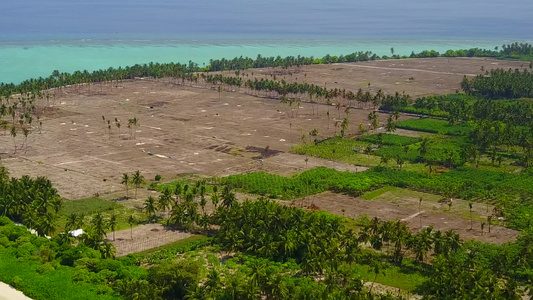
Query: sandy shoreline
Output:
(9,293)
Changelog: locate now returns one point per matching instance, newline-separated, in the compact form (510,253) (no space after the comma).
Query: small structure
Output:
(76,233)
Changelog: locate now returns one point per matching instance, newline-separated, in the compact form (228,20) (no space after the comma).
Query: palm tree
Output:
(126,182)
(47,224)
(113,224)
(137,180)
(107,250)
(131,221)
(471,220)
(344,126)
(99,225)
(373,118)
(391,126)
(429,164)
(81,221)
(423,148)
(135,122)
(164,200)
(14,135)
(215,200)
(118,127)
(228,198)
(396,115)
(377,268)
(400,161)
(149,207)
(26,132)
(72,221)
(419,207)
(203,202)
(213,283)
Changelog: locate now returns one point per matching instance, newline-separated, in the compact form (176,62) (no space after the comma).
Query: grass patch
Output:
(174,245)
(430,202)
(92,206)
(434,126)
(389,139)
(88,206)
(339,149)
(373,194)
(407,277)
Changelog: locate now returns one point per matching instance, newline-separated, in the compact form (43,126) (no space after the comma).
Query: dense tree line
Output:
(185,71)
(32,202)
(318,243)
(500,84)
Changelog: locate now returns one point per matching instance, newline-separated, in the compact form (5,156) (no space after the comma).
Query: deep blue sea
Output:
(39,36)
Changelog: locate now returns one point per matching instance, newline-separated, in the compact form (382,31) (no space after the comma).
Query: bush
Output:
(45,268)
(158,177)
(5,221)
(4,241)
(16,282)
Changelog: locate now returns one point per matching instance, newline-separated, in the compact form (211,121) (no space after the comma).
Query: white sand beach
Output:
(9,293)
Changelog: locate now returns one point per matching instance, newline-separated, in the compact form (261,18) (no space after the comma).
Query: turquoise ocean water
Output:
(39,36)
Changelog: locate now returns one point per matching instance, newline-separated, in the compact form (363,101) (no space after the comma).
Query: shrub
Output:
(16,282)
(4,241)
(45,268)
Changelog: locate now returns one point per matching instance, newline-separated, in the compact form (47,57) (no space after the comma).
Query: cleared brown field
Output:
(196,130)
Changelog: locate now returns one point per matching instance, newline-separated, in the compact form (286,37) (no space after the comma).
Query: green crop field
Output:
(434,126)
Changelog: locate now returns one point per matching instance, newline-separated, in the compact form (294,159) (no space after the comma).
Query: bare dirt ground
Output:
(144,237)
(187,130)
(355,207)
(196,130)
(431,75)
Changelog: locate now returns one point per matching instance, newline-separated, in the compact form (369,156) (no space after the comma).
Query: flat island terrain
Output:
(181,172)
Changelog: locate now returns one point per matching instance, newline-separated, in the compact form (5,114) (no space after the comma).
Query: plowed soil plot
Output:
(181,130)
(417,77)
(144,237)
(355,207)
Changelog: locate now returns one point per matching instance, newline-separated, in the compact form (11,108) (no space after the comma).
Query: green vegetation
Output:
(434,126)
(483,186)
(343,150)
(389,139)
(378,192)
(86,209)
(284,248)
(432,203)
(169,250)
(263,250)
(500,84)
(43,268)
(88,206)
(32,202)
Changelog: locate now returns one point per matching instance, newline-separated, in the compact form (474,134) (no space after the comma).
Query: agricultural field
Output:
(434,126)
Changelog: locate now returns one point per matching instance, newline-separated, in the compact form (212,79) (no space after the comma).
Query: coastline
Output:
(23,59)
